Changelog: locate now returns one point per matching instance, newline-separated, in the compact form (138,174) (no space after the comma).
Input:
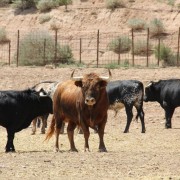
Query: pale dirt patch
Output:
(153,155)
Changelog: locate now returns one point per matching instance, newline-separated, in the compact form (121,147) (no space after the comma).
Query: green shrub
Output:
(4,2)
(140,48)
(46,5)
(64,2)
(165,53)
(113,4)
(156,27)
(3,36)
(137,24)
(38,48)
(44,18)
(120,44)
(23,4)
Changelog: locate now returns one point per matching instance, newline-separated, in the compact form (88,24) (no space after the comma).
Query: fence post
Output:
(147,63)
(159,45)
(44,52)
(119,55)
(55,50)
(132,47)
(178,47)
(98,48)
(9,53)
(80,48)
(17,63)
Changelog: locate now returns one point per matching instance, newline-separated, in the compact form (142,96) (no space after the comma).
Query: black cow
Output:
(19,108)
(127,93)
(167,94)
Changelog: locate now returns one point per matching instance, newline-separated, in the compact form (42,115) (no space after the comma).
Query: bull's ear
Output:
(102,84)
(78,83)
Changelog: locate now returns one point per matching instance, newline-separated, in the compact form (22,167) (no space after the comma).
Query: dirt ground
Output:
(153,155)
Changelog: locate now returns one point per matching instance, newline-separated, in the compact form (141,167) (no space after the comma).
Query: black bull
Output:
(19,108)
(167,94)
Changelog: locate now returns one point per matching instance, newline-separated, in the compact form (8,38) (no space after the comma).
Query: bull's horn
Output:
(149,84)
(106,78)
(75,78)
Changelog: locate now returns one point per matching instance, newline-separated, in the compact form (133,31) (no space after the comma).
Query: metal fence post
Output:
(9,53)
(159,45)
(44,52)
(147,63)
(98,48)
(17,63)
(119,55)
(55,50)
(80,50)
(178,47)
(132,47)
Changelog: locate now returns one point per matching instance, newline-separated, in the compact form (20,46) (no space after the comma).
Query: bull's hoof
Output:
(56,150)
(168,126)
(86,150)
(102,150)
(126,131)
(10,151)
(43,132)
(73,150)
(143,131)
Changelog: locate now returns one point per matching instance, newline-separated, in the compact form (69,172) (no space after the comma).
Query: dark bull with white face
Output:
(127,93)
(80,101)
(167,94)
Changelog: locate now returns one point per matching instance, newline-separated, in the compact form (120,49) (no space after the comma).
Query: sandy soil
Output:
(153,155)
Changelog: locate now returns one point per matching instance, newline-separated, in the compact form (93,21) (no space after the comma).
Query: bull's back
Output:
(171,92)
(66,98)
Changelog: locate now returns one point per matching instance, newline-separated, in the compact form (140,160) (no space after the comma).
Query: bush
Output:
(120,44)
(140,48)
(44,18)
(64,2)
(137,24)
(113,4)
(4,2)
(3,36)
(165,53)
(23,4)
(38,48)
(156,27)
(46,5)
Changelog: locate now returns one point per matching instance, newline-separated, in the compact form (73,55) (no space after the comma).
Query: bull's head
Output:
(150,94)
(91,85)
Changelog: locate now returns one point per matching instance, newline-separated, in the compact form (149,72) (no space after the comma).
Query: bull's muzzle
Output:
(90,101)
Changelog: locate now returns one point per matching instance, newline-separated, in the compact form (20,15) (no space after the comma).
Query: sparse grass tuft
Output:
(156,28)
(44,18)
(113,4)
(3,36)
(120,45)
(137,24)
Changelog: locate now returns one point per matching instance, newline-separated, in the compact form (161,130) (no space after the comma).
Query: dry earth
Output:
(153,155)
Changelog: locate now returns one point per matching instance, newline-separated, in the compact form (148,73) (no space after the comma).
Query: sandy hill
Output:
(91,15)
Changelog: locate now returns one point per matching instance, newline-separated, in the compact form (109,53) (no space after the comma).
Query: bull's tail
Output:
(51,129)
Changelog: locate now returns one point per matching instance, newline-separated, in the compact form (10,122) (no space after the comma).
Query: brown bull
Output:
(81,101)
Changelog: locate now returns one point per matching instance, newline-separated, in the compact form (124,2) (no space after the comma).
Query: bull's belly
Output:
(116,106)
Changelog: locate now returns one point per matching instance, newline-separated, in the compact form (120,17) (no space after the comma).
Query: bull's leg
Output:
(43,125)
(57,132)
(85,131)
(70,131)
(100,130)
(34,126)
(140,113)
(10,145)
(129,114)
(168,114)
(62,128)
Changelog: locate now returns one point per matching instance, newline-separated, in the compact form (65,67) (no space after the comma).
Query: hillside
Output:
(92,15)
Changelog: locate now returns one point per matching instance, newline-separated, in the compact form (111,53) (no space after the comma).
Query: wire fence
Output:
(91,48)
